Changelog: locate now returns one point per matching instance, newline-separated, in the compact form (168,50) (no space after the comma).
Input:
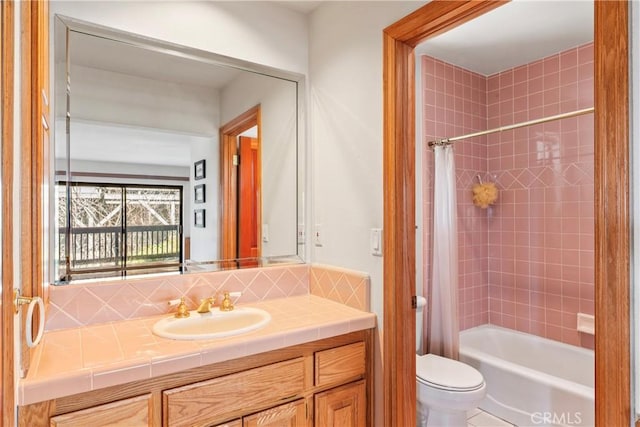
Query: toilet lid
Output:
(447,374)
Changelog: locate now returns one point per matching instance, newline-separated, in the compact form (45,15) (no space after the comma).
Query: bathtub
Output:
(531,381)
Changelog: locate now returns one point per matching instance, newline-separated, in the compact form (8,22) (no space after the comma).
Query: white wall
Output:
(205,241)
(277,99)
(253,31)
(345,71)
(111,142)
(345,114)
(105,96)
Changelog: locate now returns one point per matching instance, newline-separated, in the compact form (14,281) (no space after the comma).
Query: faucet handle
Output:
(183,311)
(227,304)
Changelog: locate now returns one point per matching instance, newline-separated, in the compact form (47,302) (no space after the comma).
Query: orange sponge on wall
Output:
(484,194)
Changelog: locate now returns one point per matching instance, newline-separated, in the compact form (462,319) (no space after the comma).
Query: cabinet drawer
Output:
(204,402)
(292,414)
(234,423)
(339,364)
(128,412)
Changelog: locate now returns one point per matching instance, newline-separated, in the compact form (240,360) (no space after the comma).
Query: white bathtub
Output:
(531,381)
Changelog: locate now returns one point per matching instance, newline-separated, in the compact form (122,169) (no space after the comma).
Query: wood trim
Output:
(399,235)
(34,126)
(612,205)
(438,17)
(7,370)
(126,176)
(370,343)
(612,229)
(26,178)
(228,191)
(399,196)
(228,179)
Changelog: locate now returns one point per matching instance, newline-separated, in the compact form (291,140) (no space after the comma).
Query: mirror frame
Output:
(63,25)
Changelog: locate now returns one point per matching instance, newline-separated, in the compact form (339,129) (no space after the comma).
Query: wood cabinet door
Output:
(234,423)
(341,406)
(292,414)
(134,412)
(205,402)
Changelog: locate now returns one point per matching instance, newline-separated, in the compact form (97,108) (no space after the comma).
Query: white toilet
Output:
(446,389)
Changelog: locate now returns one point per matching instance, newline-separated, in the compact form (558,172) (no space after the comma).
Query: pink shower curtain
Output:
(443,329)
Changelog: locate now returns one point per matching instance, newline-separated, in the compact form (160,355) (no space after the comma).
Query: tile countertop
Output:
(78,360)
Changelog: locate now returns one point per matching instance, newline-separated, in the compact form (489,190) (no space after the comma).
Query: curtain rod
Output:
(447,141)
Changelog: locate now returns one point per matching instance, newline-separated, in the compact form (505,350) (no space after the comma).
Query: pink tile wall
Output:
(107,301)
(344,286)
(541,233)
(527,262)
(100,302)
(455,104)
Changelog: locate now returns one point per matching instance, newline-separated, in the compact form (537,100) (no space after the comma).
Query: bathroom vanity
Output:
(313,371)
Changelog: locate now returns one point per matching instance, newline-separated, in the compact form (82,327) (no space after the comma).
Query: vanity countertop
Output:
(78,360)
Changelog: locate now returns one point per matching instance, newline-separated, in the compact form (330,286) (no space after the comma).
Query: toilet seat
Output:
(447,374)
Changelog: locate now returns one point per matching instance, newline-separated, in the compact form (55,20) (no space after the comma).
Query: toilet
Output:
(445,389)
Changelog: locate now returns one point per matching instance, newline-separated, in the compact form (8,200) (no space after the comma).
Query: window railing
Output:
(114,249)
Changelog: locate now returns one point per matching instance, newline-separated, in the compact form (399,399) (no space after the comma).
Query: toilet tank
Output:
(421,302)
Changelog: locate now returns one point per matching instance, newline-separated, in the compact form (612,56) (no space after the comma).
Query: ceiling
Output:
(516,33)
(305,7)
(105,54)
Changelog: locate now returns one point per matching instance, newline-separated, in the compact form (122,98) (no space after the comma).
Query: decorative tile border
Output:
(100,302)
(347,287)
(107,301)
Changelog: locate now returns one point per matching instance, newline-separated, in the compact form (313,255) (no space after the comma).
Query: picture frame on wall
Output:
(199,194)
(199,169)
(199,218)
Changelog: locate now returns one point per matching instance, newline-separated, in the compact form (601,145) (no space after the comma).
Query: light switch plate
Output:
(317,235)
(376,241)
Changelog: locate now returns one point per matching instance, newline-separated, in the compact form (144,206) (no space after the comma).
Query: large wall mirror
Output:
(169,159)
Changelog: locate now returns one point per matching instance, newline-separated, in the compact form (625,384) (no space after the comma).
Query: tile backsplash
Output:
(106,301)
(344,286)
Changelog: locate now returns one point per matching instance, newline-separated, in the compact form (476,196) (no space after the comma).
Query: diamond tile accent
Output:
(106,301)
(344,286)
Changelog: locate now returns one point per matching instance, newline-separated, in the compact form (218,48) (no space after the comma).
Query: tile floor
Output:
(479,418)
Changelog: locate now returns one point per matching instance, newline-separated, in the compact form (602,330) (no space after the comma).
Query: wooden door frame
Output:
(249,147)
(229,133)
(612,231)
(7,26)
(34,105)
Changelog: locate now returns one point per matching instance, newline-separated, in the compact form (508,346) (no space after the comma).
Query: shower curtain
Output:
(443,326)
